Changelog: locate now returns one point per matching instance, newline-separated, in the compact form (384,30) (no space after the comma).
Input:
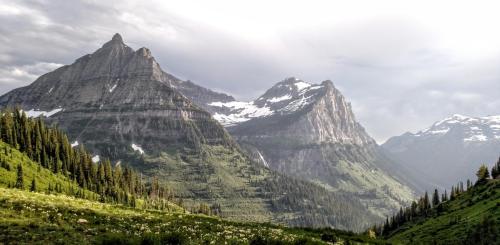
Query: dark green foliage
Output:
(4,164)
(19,179)
(173,238)
(33,185)
(435,198)
(482,174)
(336,209)
(495,170)
(485,233)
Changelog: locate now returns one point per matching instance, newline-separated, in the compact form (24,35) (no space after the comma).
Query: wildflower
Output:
(82,221)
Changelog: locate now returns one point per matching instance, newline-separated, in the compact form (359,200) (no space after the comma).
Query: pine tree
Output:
(427,203)
(19,179)
(33,185)
(482,174)
(495,171)
(435,198)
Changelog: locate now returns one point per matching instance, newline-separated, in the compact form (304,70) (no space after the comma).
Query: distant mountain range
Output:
(295,155)
(449,150)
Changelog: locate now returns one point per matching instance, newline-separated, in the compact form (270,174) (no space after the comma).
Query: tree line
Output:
(51,149)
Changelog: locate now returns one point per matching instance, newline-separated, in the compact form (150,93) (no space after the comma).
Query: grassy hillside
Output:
(27,217)
(32,170)
(472,218)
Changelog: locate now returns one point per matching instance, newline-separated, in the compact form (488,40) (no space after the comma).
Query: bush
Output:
(328,238)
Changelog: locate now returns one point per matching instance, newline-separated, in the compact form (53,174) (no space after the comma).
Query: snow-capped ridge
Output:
(473,129)
(285,97)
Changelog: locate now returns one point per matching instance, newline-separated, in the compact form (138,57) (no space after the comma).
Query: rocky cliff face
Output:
(449,150)
(309,131)
(312,113)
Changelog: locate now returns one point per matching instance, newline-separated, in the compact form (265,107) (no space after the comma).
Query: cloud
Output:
(402,67)
(16,76)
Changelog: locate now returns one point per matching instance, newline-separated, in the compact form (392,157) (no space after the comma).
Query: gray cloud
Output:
(391,69)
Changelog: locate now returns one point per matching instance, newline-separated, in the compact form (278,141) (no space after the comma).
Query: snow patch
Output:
(442,131)
(137,148)
(297,104)
(113,88)
(50,90)
(302,85)
(240,112)
(278,99)
(478,137)
(263,160)
(74,143)
(36,113)
(96,159)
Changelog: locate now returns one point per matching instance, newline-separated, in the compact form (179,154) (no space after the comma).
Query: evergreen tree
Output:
(427,203)
(495,171)
(482,174)
(435,198)
(445,196)
(33,185)
(19,179)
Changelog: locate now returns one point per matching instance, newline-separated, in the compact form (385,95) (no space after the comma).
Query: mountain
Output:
(121,94)
(448,150)
(122,106)
(309,131)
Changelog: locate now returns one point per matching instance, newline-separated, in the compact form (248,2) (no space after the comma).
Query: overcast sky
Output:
(402,65)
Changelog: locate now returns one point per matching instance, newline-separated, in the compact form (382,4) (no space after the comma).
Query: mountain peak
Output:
(328,83)
(116,40)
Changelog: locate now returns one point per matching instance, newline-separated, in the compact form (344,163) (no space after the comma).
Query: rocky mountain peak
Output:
(116,42)
(117,38)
